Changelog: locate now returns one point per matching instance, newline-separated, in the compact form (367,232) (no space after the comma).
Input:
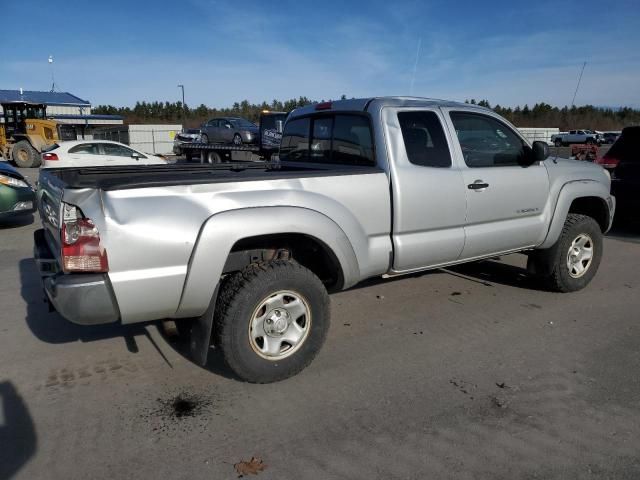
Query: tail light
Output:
(607,162)
(81,248)
(49,157)
(323,106)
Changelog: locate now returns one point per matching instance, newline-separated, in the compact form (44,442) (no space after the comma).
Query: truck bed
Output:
(126,177)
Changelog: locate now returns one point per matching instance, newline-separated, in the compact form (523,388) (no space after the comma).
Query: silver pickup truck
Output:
(577,136)
(369,187)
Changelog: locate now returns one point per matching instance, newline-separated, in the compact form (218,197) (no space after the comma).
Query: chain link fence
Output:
(153,139)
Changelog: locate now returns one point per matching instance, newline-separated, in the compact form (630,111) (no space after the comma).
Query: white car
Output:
(94,153)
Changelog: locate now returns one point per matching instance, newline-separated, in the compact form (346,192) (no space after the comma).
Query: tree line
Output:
(539,115)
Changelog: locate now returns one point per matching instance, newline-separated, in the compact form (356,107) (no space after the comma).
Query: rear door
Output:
(505,201)
(83,155)
(226,131)
(428,194)
(209,130)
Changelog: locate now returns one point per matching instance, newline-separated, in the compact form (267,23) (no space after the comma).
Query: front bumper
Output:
(81,298)
(15,202)
(250,137)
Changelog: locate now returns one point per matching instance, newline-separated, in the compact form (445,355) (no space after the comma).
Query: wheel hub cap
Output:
(277,322)
(280,324)
(580,255)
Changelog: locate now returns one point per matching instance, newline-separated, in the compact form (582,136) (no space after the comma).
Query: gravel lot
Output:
(466,373)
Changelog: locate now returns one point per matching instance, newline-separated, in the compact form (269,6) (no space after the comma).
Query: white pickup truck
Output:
(246,252)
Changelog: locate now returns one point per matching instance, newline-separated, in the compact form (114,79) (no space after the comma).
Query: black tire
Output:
(204,138)
(240,297)
(214,157)
(552,265)
(557,142)
(25,156)
(237,139)
(590,141)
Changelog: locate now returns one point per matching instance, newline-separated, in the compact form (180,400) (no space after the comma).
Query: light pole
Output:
(53,80)
(183,111)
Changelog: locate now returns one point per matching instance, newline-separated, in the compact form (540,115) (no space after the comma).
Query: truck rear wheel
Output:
(214,157)
(573,261)
(271,321)
(24,155)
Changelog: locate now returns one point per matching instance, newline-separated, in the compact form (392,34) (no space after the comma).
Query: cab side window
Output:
(424,139)
(487,142)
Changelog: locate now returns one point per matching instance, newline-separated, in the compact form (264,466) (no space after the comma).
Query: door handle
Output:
(478,185)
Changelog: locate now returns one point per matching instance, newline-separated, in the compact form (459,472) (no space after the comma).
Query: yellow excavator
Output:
(25,132)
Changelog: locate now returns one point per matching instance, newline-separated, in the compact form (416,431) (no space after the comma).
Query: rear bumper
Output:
(84,299)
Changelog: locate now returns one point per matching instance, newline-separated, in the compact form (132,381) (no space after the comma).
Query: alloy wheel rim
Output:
(580,255)
(280,324)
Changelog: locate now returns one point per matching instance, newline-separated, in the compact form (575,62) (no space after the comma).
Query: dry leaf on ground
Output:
(252,467)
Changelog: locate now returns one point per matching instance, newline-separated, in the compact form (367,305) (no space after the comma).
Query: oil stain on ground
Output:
(180,411)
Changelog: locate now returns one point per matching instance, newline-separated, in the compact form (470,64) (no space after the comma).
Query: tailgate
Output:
(49,201)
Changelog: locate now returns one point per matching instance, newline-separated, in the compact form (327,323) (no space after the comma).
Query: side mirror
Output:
(540,151)
(227,125)
(135,155)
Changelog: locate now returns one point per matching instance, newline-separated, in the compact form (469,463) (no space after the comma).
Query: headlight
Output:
(13,182)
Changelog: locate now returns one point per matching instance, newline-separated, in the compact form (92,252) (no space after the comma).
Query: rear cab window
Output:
(340,138)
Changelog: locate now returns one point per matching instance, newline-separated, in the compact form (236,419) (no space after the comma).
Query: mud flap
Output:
(200,334)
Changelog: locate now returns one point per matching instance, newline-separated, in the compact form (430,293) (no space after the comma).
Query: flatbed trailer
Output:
(271,125)
(218,152)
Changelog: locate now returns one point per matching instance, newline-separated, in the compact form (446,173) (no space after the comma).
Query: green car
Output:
(16,195)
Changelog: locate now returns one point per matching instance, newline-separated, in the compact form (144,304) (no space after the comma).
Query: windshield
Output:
(242,123)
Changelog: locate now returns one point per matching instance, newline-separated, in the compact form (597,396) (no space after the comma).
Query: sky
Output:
(511,53)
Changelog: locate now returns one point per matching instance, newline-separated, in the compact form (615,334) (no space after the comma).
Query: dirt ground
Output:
(470,372)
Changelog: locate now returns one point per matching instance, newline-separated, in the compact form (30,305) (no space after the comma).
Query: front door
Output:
(428,190)
(115,154)
(505,200)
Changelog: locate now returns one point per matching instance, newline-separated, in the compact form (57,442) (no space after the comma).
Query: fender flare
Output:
(221,231)
(568,193)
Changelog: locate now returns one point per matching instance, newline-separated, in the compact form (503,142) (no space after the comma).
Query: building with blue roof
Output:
(63,107)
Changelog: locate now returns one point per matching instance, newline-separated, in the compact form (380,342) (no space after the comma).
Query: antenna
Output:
(53,80)
(578,86)
(415,65)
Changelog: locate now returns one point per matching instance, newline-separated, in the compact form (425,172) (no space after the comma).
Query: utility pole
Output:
(53,80)
(183,109)
(578,86)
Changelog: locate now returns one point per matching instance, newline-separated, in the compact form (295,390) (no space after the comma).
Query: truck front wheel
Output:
(271,321)
(573,261)
(24,155)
